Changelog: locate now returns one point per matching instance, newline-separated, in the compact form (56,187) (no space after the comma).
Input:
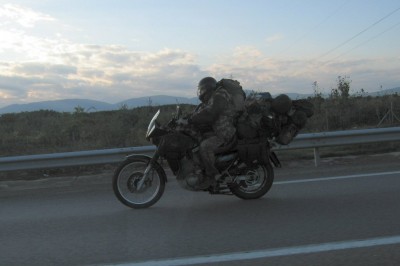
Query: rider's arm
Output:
(210,113)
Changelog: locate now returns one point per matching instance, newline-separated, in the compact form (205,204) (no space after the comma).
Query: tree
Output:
(79,109)
(342,91)
(316,89)
(343,86)
(124,107)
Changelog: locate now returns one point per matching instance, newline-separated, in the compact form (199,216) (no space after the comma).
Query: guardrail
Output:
(302,141)
(339,138)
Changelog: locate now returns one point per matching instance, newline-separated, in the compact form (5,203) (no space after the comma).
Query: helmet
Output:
(282,104)
(205,88)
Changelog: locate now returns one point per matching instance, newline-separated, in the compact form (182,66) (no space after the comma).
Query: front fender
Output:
(146,158)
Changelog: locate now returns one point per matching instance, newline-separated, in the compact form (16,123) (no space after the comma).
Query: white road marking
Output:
(334,178)
(285,251)
(267,253)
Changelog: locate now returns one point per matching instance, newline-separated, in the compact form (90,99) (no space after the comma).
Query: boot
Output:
(206,182)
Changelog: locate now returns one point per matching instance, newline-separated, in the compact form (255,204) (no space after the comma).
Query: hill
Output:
(67,105)
(386,92)
(88,105)
(156,101)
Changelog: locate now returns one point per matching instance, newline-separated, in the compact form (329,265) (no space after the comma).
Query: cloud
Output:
(259,72)
(35,68)
(114,73)
(111,73)
(274,38)
(44,69)
(11,15)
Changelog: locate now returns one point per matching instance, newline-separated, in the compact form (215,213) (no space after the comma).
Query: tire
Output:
(126,178)
(259,179)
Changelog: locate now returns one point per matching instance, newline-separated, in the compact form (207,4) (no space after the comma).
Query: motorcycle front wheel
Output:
(256,181)
(129,187)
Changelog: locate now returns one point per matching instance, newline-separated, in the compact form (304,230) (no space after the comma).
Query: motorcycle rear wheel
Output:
(258,181)
(126,183)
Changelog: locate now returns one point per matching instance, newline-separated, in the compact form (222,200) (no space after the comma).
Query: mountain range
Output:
(70,105)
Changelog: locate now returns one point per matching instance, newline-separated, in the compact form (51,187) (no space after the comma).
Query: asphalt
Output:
(80,222)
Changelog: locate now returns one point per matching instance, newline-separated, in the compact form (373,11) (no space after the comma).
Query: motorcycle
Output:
(245,166)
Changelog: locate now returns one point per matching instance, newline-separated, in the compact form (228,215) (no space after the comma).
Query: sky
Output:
(120,49)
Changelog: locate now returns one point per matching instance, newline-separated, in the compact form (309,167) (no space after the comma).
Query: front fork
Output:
(274,159)
(145,177)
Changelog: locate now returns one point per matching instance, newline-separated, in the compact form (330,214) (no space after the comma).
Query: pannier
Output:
(277,118)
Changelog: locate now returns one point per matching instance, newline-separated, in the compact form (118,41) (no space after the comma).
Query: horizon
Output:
(103,50)
(301,95)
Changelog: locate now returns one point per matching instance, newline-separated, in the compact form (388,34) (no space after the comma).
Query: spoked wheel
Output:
(256,182)
(132,190)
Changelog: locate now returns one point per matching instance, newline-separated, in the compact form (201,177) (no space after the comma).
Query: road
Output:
(346,212)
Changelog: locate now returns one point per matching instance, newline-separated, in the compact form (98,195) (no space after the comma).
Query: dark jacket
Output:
(219,113)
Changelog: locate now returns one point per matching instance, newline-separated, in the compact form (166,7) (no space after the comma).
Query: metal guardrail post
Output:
(317,158)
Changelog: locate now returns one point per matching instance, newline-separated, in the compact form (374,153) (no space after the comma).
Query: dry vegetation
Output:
(51,132)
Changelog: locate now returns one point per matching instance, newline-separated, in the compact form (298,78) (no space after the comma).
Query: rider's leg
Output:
(207,148)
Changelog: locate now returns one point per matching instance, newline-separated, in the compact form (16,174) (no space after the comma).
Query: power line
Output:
(358,34)
(315,27)
(367,41)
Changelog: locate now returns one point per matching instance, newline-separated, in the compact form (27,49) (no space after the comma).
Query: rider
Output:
(215,116)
